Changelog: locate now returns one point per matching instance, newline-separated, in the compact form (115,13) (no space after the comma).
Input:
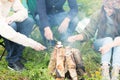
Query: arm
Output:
(74,38)
(41,6)
(20,13)
(89,30)
(9,33)
(73,9)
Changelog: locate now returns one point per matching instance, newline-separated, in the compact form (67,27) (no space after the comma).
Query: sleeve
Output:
(92,27)
(73,9)
(7,32)
(41,7)
(20,13)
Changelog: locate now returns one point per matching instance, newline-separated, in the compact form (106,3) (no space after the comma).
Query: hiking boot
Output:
(17,66)
(115,72)
(105,72)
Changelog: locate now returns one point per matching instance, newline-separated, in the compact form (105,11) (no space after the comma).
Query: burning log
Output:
(71,65)
(66,60)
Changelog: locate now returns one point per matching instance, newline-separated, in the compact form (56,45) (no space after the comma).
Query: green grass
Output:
(37,63)
(36,67)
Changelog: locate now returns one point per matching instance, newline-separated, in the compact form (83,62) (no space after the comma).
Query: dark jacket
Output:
(46,7)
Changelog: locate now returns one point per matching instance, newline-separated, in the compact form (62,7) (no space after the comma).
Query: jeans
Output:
(15,50)
(113,54)
(55,20)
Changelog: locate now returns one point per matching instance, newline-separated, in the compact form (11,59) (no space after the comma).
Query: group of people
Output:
(16,28)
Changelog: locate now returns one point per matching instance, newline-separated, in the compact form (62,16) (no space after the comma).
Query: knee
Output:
(30,21)
(37,20)
(37,17)
(13,25)
(75,20)
(108,40)
(117,39)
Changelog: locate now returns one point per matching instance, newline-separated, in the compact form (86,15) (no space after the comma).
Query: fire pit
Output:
(66,62)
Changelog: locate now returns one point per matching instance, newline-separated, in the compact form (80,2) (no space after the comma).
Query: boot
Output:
(115,72)
(105,72)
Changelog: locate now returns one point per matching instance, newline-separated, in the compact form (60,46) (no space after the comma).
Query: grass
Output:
(36,67)
(37,63)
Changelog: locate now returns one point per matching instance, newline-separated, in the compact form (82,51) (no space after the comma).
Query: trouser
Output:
(15,50)
(55,20)
(113,53)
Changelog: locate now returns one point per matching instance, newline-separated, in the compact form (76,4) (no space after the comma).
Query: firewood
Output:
(65,60)
(60,62)
(59,79)
(71,64)
(79,62)
(52,63)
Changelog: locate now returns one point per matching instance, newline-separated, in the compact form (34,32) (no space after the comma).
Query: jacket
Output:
(47,7)
(20,14)
(93,27)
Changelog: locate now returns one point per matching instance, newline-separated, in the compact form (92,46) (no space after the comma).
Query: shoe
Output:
(17,66)
(115,72)
(105,72)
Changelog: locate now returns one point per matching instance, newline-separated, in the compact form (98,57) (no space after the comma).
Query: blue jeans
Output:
(113,54)
(15,50)
(55,20)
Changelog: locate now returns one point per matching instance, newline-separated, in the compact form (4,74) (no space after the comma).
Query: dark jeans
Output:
(55,20)
(15,50)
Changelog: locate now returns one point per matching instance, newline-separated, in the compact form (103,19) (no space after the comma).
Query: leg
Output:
(99,43)
(25,28)
(116,63)
(10,47)
(105,59)
(41,29)
(12,57)
(15,52)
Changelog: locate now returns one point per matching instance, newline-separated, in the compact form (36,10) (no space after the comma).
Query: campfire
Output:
(66,62)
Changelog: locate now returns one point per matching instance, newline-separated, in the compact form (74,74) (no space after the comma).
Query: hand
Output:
(48,33)
(72,38)
(64,25)
(9,20)
(11,0)
(39,47)
(105,48)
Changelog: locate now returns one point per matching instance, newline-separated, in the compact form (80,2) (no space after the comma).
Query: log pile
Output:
(66,62)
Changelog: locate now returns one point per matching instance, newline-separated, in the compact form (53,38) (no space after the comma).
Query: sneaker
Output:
(17,66)
(105,72)
(115,73)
